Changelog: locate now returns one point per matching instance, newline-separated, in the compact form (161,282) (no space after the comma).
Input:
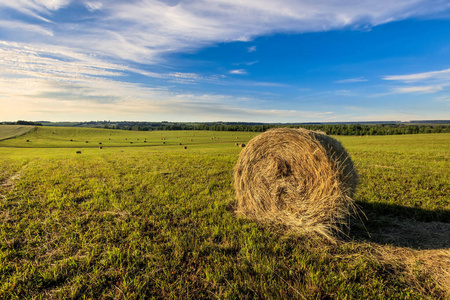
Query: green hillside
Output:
(11,131)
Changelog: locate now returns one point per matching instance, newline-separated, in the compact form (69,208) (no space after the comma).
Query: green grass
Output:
(12,131)
(153,220)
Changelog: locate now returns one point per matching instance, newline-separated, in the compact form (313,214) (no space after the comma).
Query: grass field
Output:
(11,131)
(145,218)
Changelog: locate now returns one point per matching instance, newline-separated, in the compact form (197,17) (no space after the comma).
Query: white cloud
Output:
(144,30)
(239,72)
(418,89)
(93,6)
(430,82)
(35,7)
(60,84)
(251,49)
(443,99)
(443,74)
(26,27)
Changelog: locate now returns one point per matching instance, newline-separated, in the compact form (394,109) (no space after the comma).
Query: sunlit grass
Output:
(11,131)
(154,220)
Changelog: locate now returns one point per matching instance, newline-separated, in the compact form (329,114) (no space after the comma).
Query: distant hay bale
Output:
(237,144)
(242,145)
(100,147)
(301,179)
(78,152)
(185,147)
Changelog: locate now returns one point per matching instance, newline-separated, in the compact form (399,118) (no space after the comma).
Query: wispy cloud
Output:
(33,29)
(425,82)
(351,80)
(443,74)
(443,99)
(251,49)
(246,63)
(93,6)
(239,72)
(143,31)
(418,89)
(62,84)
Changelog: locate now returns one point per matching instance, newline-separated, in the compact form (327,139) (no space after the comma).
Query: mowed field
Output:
(11,131)
(144,218)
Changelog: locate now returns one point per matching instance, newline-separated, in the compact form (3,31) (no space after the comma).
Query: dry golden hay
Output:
(301,179)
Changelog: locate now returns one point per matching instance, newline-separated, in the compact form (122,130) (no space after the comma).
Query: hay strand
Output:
(301,179)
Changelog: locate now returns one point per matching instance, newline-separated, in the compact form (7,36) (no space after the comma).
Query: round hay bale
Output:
(301,179)
(185,147)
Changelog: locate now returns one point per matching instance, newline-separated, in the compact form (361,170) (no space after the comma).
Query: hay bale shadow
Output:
(414,228)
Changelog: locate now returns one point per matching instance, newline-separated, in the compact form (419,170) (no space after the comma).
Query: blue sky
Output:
(227,60)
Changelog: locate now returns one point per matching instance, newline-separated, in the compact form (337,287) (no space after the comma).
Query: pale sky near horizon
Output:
(224,60)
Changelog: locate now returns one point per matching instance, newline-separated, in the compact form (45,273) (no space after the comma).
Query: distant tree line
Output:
(378,129)
(21,122)
(331,129)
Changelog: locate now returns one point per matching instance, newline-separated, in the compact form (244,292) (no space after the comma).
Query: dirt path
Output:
(8,184)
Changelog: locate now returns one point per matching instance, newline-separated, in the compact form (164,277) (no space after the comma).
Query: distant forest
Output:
(332,129)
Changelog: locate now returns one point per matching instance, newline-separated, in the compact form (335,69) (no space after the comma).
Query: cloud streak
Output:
(238,72)
(430,82)
(351,80)
(443,74)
